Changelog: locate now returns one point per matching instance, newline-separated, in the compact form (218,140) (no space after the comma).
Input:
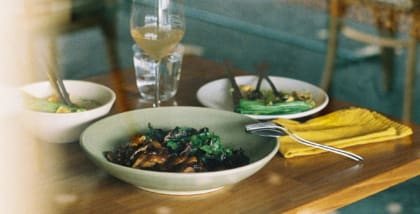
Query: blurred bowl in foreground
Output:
(66,127)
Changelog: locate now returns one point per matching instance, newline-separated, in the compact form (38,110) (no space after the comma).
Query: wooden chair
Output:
(88,13)
(48,19)
(386,14)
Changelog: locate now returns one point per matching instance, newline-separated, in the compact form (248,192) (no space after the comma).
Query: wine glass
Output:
(157,26)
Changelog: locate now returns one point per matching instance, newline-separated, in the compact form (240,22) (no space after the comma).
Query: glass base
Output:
(143,103)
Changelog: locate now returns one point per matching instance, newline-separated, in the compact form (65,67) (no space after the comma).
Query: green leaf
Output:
(173,145)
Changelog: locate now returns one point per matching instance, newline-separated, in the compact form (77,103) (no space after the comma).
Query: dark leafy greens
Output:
(180,149)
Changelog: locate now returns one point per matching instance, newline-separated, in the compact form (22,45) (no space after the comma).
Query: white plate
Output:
(216,94)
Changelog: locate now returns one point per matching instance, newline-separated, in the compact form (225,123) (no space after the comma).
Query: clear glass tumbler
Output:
(169,70)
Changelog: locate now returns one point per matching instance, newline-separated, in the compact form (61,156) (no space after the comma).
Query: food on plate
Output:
(52,104)
(269,102)
(182,149)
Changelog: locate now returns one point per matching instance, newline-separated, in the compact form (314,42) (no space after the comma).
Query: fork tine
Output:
(263,125)
(267,132)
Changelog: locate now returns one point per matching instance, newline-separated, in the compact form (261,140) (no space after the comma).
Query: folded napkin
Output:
(342,128)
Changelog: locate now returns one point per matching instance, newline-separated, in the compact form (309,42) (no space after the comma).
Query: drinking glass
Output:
(170,73)
(157,26)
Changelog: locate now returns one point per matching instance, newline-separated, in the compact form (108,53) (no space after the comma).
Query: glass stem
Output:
(157,85)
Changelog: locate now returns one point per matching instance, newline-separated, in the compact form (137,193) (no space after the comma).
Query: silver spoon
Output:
(270,129)
(59,88)
(56,81)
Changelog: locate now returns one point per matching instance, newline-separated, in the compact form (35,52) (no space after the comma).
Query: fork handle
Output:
(326,148)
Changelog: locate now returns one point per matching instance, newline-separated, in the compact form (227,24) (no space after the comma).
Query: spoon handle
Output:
(56,81)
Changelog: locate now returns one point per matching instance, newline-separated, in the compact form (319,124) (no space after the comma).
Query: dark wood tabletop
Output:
(317,183)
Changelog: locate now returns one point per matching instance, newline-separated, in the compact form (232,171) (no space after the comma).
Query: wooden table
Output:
(73,184)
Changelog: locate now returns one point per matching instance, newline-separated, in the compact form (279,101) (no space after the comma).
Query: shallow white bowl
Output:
(216,94)
(109,132)
(66,127)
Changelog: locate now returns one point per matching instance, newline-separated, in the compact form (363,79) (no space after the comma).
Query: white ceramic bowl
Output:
(216,94)
(66,127)
(109,132)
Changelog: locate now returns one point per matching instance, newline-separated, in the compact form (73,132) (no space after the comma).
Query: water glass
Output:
(169,70)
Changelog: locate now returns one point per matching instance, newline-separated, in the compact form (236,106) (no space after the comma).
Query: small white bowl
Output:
(66,127)
(216,94)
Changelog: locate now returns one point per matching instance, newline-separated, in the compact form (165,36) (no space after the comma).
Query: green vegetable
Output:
(267,102)
(46,105)
(43,105)
(260,108)
(201,143)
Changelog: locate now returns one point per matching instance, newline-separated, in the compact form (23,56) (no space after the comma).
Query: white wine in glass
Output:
(156,42)
(157,26)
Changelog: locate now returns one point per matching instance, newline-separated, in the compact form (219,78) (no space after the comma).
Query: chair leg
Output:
(387,57)
(409,79)
(387,25)
(111,46)
(109,31)
(335,24)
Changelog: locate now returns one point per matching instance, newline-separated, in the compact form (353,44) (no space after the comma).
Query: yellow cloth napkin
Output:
(342,128)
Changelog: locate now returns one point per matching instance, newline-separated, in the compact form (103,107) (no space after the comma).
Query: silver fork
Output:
(270,129)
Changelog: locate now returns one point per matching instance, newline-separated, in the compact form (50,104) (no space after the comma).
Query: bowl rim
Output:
(103,160)
(108,90)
